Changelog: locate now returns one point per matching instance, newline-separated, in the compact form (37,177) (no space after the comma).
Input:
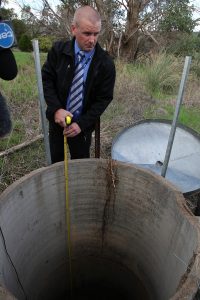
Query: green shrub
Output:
(45,43)
(19,28)
(25,44)
(185,45)
(195,67)
(160,74)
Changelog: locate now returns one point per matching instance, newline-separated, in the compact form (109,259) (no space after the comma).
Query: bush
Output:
(45,43)
(19,28)
(25,43)
(160,74)
(185,45)
(196,64)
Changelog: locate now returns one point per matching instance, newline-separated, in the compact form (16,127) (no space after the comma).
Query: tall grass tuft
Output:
(160,75)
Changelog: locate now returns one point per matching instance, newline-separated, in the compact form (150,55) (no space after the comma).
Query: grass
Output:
(190,117)
(26,58)
(158,73)
(143,90)
(22,97)
(22,162)
(187,116)
(23,88)
(16,137)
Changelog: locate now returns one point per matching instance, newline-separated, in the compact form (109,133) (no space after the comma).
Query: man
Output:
(78,80)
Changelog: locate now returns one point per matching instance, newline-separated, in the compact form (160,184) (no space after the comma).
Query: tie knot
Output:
(81,55)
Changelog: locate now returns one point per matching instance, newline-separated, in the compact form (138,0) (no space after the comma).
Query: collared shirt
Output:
(87,59)
(86,62)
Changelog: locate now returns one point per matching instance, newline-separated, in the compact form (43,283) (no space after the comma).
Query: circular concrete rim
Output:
(188,286)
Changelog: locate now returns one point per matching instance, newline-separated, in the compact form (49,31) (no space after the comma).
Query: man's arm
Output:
(49,83)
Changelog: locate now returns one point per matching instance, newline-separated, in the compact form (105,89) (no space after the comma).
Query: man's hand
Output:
(72,130)
(60,117)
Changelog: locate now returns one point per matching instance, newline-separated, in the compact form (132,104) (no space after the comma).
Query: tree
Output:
(31,20)
(120,20)
(8,13)
(133,24)
(177,16)
(124,22)
(45,42)
(19,28)
(25,43)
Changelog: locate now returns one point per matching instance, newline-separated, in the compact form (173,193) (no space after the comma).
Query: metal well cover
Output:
(145,143)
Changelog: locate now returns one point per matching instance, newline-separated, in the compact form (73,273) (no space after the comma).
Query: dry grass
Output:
(128,106)
(192,93)
(16,165)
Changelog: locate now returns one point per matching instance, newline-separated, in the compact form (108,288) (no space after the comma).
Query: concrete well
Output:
(132,236)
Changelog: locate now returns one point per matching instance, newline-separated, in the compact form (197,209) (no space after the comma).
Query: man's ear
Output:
(73,28)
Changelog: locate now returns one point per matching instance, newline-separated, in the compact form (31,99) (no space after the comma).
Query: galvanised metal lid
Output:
(144,143)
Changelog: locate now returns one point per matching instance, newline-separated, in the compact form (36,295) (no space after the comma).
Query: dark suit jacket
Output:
(57,76)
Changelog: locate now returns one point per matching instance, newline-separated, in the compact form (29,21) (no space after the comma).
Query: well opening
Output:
(131,235)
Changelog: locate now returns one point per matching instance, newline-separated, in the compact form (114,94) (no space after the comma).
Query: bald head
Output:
(86,27)
(86,13)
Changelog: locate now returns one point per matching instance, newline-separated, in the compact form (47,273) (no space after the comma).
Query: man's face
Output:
(86,34)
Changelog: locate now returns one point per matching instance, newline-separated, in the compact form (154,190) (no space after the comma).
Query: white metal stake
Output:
(41,100)
(186,68)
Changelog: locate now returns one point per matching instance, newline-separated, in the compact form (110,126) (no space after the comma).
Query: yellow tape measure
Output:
(68,122)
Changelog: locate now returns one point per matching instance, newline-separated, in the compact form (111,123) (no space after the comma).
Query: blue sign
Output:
(6,36)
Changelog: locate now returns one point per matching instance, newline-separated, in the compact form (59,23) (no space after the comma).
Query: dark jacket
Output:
(57,76)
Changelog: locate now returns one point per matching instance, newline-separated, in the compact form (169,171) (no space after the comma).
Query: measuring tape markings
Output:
(68,122)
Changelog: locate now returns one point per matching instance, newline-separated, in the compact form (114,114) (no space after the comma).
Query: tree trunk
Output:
(131,34)
(130,46)
(105,10)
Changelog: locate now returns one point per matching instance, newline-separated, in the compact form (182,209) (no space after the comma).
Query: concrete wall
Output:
(130,231)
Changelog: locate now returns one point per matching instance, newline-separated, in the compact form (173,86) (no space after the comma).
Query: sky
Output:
(35,4)
(196,15)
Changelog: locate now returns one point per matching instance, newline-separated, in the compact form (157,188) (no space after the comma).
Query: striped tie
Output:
(76,91)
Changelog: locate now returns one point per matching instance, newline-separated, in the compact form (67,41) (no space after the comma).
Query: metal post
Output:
(186,68)
(41,100)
